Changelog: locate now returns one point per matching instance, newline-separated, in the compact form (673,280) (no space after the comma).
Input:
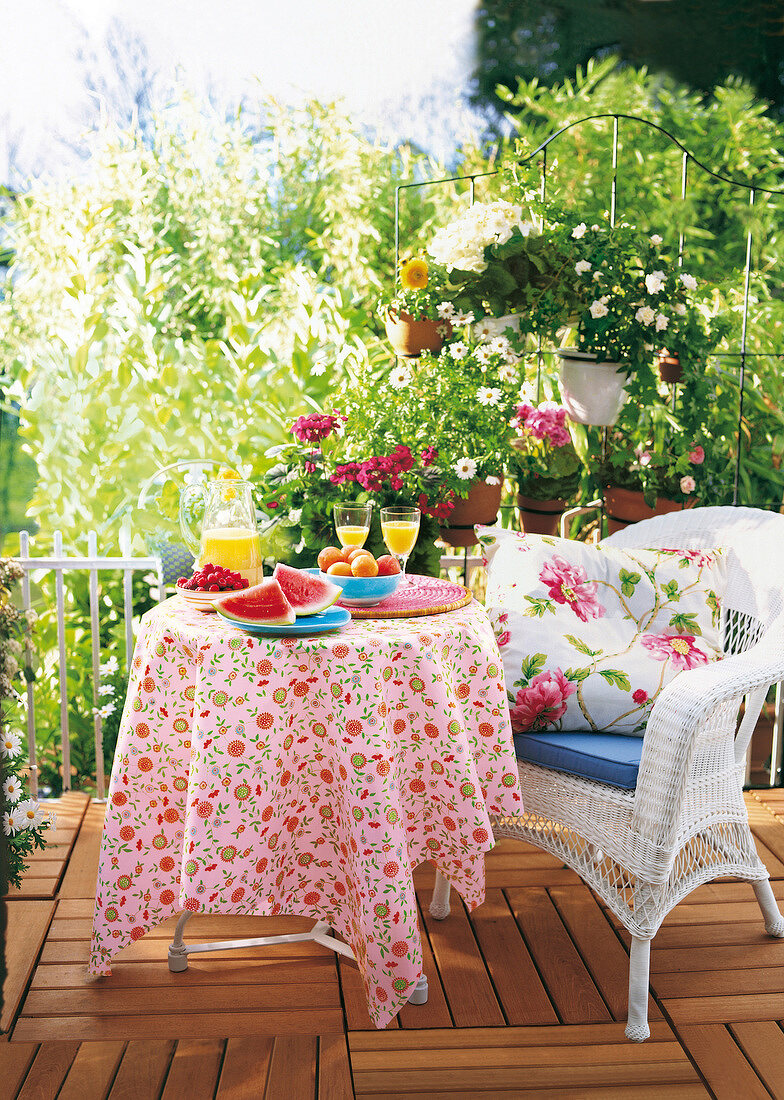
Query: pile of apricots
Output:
(353,561)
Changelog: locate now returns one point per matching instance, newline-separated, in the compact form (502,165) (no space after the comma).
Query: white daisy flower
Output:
(527,393)
(110,666)
(10,744)
(645,315)
(689,282)
(597,276)
(446,311)
(318,368)
(463,318)
(10,823)
(582,266)
(579,230)
(679,308)
(465,469)
(661,322)
(488,395)
(400,378)
(656,239)
(12,788)
(30,812)
(655,281)
(501,345)
(458,350)
(482,354)
(106,689)
(491,480)
(507,372)
(598,309)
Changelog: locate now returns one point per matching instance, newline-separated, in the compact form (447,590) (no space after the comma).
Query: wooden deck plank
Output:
(182,1025)
(695,959)
(763,1046)
(200,972)
(142,1070)
(721,981)
(721,1063)
(568,982)
(517,983)
(724,1010)
(93,1071)
(334,1076)
(468,988)
(491,1037)
(48,1071)
(27,923)
(194,1069)
(542,1076)
(81,872)
(292,1071)
(245,1068)
(15,1061)
(604,1092)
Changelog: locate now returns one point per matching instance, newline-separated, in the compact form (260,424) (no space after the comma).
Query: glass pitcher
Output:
(229,536)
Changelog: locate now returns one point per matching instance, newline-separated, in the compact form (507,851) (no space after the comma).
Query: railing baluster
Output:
(684,185)
(125,552)
(614,186)
(32,751)
(742,376)
(95,638)
(65,741)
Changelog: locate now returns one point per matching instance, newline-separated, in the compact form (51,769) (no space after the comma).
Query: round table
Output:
(306,775)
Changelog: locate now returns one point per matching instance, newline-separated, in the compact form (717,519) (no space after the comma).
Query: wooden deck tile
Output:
(15,1061)
(721,1063)
(48,1071)
(80,876)
(334,1079)
(27,923)
(245,1068)
(142,1070)
(435,1012)
(763,1046)
(292,1069)
(93,1071)
(194,1069)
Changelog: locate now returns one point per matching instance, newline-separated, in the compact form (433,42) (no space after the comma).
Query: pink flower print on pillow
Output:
(679,648)
(568,584)
(542,703)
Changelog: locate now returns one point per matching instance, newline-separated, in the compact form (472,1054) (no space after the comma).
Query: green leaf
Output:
(685,623)
(615,676)
(577,675)
(629,581)
(539,607)
(672,591)
(582,647)
(532,666)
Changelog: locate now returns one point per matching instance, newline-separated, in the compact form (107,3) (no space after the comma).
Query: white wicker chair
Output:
(685,823)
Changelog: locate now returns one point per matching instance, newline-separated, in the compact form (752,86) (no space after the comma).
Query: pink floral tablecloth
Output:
(305,775)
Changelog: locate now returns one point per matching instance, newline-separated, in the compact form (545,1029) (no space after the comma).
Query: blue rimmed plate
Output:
(331,619)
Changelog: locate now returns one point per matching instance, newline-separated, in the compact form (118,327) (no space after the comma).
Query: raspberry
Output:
(213,588)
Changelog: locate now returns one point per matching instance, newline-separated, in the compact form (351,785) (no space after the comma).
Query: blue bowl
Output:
(363,591)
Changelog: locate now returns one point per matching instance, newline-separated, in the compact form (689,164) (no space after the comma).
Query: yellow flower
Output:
(413,275)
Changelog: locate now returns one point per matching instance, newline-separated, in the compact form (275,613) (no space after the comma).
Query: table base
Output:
(319,933)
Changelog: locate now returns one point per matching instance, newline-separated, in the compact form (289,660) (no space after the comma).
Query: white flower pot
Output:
(592,392)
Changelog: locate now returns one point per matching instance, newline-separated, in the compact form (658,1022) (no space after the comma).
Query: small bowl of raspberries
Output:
(207,583)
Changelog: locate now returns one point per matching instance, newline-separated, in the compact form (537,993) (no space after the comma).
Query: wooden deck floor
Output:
(527,996)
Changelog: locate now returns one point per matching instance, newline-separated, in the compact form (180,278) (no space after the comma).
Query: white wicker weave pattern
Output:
(686,822)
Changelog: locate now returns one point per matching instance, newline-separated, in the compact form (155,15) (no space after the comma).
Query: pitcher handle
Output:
(188,496)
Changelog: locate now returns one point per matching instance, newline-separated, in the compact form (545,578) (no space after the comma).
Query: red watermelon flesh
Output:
(262,603)
(307,593)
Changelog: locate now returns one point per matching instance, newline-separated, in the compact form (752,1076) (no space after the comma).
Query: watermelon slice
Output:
(262,603)
(307,593)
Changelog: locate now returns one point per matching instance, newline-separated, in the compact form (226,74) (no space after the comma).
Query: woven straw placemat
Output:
(421,596)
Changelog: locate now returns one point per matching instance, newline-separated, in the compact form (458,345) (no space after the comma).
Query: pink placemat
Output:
(422,596)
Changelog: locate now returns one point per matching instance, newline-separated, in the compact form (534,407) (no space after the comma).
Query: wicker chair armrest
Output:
(690,737)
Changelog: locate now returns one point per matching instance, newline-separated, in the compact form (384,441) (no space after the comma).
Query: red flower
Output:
(204,809)
(238,894)
(679,648)
(640,696)
(264,721)
(167,897)
(236,748)
(568,584)
(312,897)
(145,764)
(391,869)
(542,702)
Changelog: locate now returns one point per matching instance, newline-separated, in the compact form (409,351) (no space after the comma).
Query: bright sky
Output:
(372,53)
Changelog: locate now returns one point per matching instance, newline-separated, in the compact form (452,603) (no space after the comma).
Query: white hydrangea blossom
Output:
(461,244)
(680,308)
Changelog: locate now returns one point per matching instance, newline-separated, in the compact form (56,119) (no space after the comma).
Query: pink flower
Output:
(640,697)
(645,458)
(688,484)
(567,584)
(503,638)
(697,456)
(542,702)
(679,648)
(699,557)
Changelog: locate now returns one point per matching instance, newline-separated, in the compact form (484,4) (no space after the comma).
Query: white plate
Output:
(201,600)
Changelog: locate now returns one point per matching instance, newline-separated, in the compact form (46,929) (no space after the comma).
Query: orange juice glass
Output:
(400,528)
(235,548)
(352,523)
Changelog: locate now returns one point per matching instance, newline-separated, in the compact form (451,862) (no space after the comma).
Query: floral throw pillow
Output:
(589,635)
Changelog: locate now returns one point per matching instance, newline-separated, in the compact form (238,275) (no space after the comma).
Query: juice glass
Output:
(235,548)
(400,528)
(352,523)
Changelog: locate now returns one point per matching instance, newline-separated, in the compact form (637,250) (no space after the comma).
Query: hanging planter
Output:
(626,506)
(540,517)
(480,506)
(593,392)
(410,337)
(670,367)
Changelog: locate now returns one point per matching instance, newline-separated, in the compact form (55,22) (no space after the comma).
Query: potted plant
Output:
(545,464)
(455,408)
(414,315)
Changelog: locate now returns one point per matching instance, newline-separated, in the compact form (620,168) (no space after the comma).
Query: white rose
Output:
(598,309)
(655,281)
(579,230)
(582,266)
(645,315)
(689,282)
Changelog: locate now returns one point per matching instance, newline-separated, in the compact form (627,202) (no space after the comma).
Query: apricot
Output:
(328,556)
(388,566)
(364,565)
(356,551)
(346,552)
(339,569)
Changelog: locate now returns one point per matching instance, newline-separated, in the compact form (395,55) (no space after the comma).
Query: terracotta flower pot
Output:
(540,517)
(592,392)
(480,506)
(409,338)
(626,506)
(670,368)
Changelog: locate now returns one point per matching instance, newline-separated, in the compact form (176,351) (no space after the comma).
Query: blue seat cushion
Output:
(605,757)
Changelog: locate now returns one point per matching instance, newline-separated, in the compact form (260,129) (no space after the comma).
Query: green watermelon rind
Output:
(246,594)
(312,581)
